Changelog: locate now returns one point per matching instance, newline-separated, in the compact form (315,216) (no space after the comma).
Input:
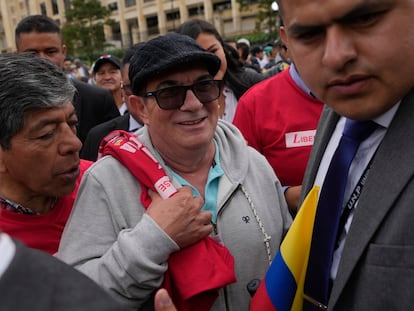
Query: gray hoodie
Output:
(111,239)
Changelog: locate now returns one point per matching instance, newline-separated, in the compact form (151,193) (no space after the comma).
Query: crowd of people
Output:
(171,183)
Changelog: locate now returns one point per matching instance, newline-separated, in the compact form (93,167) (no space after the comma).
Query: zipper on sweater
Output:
(220,210)
(215,232)
(214,224)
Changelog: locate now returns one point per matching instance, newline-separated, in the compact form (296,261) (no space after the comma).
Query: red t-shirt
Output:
(279,119)
(44,231)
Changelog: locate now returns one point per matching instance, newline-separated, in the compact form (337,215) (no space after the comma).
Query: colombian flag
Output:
(282,287)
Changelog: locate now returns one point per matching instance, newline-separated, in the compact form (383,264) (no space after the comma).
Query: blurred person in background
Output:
(236,78)
(41,35)
(107,74)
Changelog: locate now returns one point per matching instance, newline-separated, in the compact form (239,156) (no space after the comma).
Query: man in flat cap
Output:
(202,253)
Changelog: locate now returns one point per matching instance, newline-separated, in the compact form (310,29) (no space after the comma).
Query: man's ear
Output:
(3,168)
(282,33)
(138,108)
(64,49)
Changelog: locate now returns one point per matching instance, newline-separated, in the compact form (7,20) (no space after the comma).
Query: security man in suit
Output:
(342,50)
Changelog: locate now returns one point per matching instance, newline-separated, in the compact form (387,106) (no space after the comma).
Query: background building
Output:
(136,20)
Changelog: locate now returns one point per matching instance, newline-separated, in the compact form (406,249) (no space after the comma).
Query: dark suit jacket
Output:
(95,135)
(94,105)
(376,271)
(36,281)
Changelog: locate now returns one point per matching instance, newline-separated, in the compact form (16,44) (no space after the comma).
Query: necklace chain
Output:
(17,208)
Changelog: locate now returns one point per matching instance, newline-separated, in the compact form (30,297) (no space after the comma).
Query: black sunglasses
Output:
(173,97)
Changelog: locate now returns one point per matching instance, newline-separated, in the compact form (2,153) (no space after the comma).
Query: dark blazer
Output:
(376,271)
(94,105)
(36,281)
(95,135)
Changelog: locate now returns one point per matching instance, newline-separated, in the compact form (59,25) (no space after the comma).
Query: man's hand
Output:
(162,301)
(181,216)
(292,195)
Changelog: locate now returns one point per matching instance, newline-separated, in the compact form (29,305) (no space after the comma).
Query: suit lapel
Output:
(28,282)
(325,129)
(385,175)
(123,122)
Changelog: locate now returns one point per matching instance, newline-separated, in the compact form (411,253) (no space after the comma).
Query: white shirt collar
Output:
(7,251)
(123,109)
(133,124)
(385,119)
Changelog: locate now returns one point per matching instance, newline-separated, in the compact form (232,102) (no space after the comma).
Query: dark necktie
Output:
(328,214)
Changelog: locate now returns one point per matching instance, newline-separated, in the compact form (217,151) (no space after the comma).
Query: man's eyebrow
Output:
(298,29)
(72,113)
(358,10)
(43,123)
(47,121)
(363,8)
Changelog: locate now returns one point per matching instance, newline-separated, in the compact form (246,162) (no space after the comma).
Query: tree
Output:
(83,32)
(266,18)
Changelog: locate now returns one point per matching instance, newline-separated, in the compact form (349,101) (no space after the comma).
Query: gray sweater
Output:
(111,239)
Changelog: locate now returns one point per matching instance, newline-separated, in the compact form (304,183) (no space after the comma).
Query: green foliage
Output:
(83,33)
(259,37)
(266,18)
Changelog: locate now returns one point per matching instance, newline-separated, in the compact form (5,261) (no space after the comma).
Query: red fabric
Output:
(44,231)
(269,111)
(196,273)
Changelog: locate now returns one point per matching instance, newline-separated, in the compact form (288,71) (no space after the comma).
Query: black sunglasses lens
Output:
(174,97)
(171,97)
(206,91)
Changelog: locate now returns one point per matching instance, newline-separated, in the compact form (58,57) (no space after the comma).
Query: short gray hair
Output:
(27,83)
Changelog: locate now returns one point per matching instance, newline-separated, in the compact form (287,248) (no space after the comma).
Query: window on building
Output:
(173,15)
(66,4)
(248,2)
(43,8)
(113,6)
(152,23)
(129,3)
(55,8)
(220,6)
(198,10)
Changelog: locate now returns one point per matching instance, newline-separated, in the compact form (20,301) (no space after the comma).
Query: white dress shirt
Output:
(7,251)
(361,160)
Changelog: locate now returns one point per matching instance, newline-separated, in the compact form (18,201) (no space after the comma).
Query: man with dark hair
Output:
(40,169)
(244,52)
(362,244)
(41,35)
(256,56)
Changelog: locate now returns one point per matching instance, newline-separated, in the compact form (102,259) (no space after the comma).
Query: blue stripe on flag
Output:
(280,284)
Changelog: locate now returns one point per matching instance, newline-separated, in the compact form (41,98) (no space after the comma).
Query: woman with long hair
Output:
(237,78)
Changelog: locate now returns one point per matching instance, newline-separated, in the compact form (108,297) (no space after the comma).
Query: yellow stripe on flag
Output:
(295,247)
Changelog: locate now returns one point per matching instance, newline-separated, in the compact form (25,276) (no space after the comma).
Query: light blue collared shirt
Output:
(211,190)
(298,80)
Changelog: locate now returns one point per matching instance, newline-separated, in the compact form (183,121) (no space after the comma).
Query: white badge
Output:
(300,139)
